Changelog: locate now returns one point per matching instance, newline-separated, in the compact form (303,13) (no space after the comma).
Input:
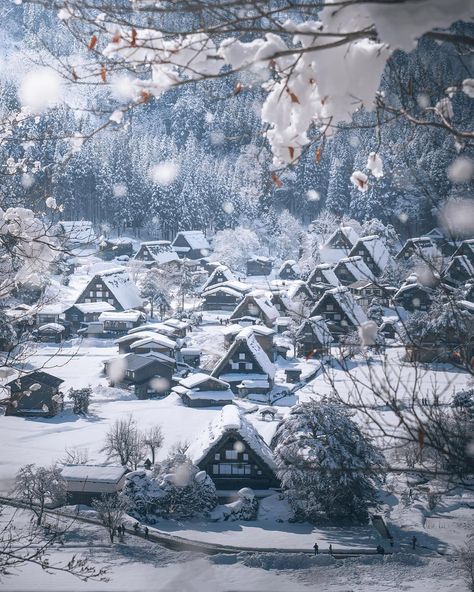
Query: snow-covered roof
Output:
(160,251)
(261,357)
(52,309)
(412,286)
(261,259)
(262,301)
(154,339)
(53,327)
(346,301)
(356,267)
(220,270)
(90,307)
(121,316)
(153,328)
(327,271)
(238,286)
(466,305)
(292,264)
(230,420)
(347,231)
(176,323)
(463,261)
(194,380)
(297,286)
(194,238)
(94,473)
(377,250)
(120,284)
(78,231)
(221,288)
(319,328)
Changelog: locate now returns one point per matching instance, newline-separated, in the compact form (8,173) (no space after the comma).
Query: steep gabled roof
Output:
(228,421)
(464,262)
(195,239)
(346,301)
(221,270)
(356,267)
(78,231)
(261,300)
(160,251)
(376,248)
(327,271)
(247,335)
(120,284)
(347,231)
(155,339)
(319,328)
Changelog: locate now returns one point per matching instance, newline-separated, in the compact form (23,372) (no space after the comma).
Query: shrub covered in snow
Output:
(177,489)
(245,507)
(328,468)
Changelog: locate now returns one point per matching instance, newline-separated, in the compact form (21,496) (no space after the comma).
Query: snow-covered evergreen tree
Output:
(328,468)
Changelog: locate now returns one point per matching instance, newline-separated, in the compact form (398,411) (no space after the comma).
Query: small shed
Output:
(35,395)
(202,390)
(85,483)
(191,244)
(121,321)
(87,312)
(289,270)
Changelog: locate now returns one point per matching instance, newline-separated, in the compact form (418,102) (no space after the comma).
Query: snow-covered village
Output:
(237,296)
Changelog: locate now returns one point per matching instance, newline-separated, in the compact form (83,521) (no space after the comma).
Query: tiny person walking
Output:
(316,548)
(330,549)
(146,532)
(413,542)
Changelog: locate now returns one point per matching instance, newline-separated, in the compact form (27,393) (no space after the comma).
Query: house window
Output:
(236,469)
(329,307)
(110,300)
(248,365)
(217,456)
(88,300)
(245,456)
(91,294)
(234,365)
(241,356)
(99,293)
(231,454)
(337,317)
(259,472)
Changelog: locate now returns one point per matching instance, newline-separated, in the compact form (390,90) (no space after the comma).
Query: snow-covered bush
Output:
(328,468)
(176,489)
(245,507)
(81,399)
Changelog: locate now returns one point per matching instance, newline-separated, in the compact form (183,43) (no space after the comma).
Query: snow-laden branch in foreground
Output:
(316,72)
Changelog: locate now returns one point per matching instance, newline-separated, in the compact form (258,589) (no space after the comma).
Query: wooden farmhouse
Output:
(35,395)
(313,338)
(113,286)
(245,366)
(352,269)
(121,321)
(234,454)
(148,375)
(263,334)
(220,275)
(49,313)
(423,247)
(374,253)
(255,307)
(466,249)
(202,390)
(224,296)
(259,265)
(364,291)
(153,343)
(414,297)
(86,483)
(323,274)
(339,244)
(289,270)
(89,312)
(151,340)
(191,244)
(340,311)
(157,253)
(459,270)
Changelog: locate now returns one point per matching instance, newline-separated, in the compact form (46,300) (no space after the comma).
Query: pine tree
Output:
(328,468)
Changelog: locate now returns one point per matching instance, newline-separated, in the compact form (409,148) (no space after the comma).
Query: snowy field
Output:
(137,565)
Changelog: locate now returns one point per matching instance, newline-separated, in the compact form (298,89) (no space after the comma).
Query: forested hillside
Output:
(215,142)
